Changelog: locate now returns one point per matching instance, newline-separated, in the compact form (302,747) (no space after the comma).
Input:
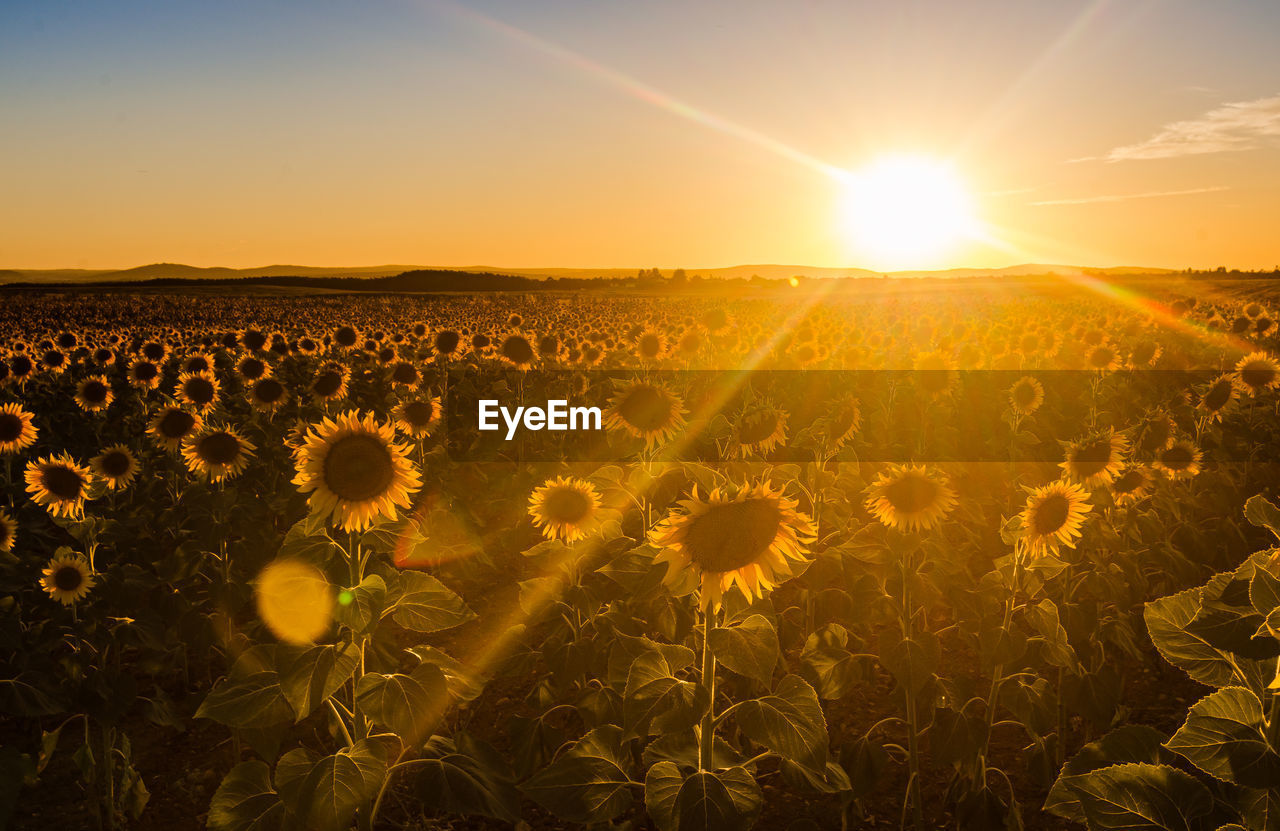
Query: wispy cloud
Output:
(1124,197)
(1241,125)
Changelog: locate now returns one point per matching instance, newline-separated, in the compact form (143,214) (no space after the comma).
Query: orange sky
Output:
(649,134)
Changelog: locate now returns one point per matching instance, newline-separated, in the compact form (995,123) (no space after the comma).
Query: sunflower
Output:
(21,368)
(355,470)
(446,343)
(67,578)
(759,430)
(418,417)
(934,373)
(8,531)
(1095,460)
(198,390)
(1131,486)
(1219,394)
(116,466)
(565,508)
(651,345)
(330,383)
(842,424)
(405,374)
(1257,373)
(17,432)
(59,484)
(217,454)
(196,362)
(94,394)
(170,425)
(267,394)
(1156,432)
(144,374)
(1026,395)
(1103,358)
(1181,460)
(1053,516)
(252,368)
(910,498)
(749,539)
(646,411)
(517,351)
(54,361)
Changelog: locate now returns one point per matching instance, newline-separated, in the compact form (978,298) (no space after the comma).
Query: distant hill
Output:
(179,271)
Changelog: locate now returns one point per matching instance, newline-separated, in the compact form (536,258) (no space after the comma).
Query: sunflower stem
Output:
(706,733)
(913,727)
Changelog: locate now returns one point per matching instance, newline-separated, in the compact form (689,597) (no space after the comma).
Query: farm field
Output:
(976,557)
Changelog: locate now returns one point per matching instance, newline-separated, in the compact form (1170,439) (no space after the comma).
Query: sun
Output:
(901,212)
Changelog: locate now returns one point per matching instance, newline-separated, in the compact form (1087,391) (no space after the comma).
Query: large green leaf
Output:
(748,648)
(1131,743)
(626,648)
(27,694)
(1224,736)
(1227,619)
(723,800)
(245,801)
(1141,796)
(310,547)
(1167,620)
(582,789)
(827,663)
(461,783)
(255,701)
(337,786)
(1262,513)
(308,676)
(409,705)
(661,786)
(465,682)
(422,603)
(789,722)
(911,661)
(655,701)
(364,604)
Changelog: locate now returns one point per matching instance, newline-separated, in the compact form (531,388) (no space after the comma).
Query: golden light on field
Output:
(903,211)
(295,601)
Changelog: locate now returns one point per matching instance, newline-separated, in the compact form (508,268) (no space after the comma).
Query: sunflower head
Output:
(759,430)
(8,531)
(910,498)
(1180,460)
(1217,396)
(355,470)
(67,578)
(94,394)
(1026,395)
(198,389)
(1053,516)
(1257,373)
(750,539)
(217,453)
(517,351)
(170,425)
(565,508)
(1131,485)
(418,417)
(267,394)
(646,411)
(17,432)
(1095,460)
(59,484)
(116,466)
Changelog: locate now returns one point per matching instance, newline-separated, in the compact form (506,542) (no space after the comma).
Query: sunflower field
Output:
(974,559)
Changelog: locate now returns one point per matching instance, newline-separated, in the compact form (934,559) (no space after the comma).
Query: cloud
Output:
(1241,125)
(1092,200)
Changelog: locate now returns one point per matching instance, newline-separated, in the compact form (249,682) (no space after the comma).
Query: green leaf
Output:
(789,722)
(1263,514)
(661,786)
(657,702)
(314,548)
(1131,743)
(337,786)
(912,661)
(749,648)
(308,676)
(255,701)
(465,683)
(368,599)
(626,648)
(245,801)
(1264,591)
(828,664)
(723,800)
(409,705)
(1141,796)
(1167,620)
(462,784)
(424,604)
(24,695)
(585,789)
(1224,736)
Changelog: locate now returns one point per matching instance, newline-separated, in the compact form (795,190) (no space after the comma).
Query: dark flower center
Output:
(199,390)
(252,368)
(67,578)
(358,467)
(732,535)
(62,482)
(447,342)
(176,424)
(1093,458)
(145,371)
(517,350)
(645,408)
(1218,396)
(404,374)
(757,427)
(566,504)
(1178,457)
(220,448)
(94,392)
(419,413)
(328,383)
(115,464)
(911,493)
(1050,514)
(10,427)
(268,390)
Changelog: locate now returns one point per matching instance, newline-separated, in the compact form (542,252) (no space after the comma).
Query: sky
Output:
(603,133)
